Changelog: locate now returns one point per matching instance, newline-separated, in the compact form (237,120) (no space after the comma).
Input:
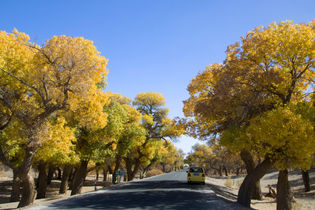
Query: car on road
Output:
(196,174)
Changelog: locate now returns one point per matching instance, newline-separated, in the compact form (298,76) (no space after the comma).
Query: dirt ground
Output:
(304,200)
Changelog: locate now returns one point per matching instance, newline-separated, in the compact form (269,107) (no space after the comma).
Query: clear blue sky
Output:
(152,45)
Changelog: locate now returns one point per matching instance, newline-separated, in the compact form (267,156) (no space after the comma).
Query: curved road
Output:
(167,191)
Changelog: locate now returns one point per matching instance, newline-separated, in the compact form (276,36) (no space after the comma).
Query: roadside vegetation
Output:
(56,115)
(259,106)
(255,111)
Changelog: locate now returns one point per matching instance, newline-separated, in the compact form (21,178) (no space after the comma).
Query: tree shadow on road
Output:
(150,195)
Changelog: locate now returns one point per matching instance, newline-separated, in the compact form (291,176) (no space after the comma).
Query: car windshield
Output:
(196,170)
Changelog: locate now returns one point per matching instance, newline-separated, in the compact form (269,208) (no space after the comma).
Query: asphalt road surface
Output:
(167,191)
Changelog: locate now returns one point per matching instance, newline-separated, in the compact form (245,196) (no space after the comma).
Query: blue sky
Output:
(152,45)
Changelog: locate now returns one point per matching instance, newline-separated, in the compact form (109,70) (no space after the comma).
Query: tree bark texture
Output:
(131,173)
(79,178)
(65,179)
(42,181)
(15,193)
(28,184)
(245,191)
(284,194)
(28,192)
(250,167)
(306,180)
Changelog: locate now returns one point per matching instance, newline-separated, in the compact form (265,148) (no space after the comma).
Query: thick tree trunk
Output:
(15,193)
(79,178)
(28,184)
(28,192)
(72,176)
(284,194)
(250,167)
(65,179)
(134,172)
(104,175)
(42,181)
(50,175)
(129,169)
(306,180)
(245,191)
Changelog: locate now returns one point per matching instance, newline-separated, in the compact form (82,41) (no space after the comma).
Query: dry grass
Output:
(154,172)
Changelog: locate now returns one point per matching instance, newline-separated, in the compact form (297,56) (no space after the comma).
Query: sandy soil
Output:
(304,200)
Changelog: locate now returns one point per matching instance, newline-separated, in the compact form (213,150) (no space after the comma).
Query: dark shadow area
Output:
(223,191)
(5,191)
(159,184)
(150,195)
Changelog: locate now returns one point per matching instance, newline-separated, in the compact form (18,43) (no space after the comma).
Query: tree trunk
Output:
(284,194)
(79,178)
(245,191)
(28,192)
(117,165)
(42,181)
(65,179)
(250,167)
(104,175)
(28,184)
(220,171)
(15,193)
(306,180)
(135,171)
(97,174)
(59,174)
(50,175)
(225,170)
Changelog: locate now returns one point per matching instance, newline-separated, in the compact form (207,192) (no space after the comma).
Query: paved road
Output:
(167,191)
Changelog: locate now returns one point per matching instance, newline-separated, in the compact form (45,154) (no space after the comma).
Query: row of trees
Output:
(53,112)
(260,103)
(215,159)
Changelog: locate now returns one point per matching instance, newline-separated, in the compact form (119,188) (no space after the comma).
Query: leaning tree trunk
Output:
(28,184)
(28,192)
(79,178)
(306,180)
(15,193)
(245,191)
(250,167)
(284,194)
(64,179)
(42,181)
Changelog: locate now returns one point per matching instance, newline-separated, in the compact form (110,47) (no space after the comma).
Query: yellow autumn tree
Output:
(38,81)
(272,66)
